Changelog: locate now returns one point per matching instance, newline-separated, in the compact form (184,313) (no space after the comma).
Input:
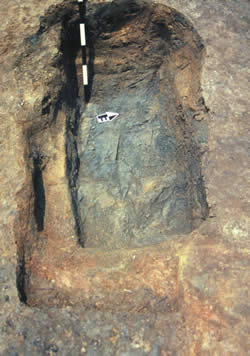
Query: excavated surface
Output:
(140,178)
(186,296)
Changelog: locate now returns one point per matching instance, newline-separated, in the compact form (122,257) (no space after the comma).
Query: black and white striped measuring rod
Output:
(83,43)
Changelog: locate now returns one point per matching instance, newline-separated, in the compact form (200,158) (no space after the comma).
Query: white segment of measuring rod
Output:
(82,33)
(85,74)
(80,0)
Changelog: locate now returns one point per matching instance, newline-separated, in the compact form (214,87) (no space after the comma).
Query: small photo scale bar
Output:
(106,117)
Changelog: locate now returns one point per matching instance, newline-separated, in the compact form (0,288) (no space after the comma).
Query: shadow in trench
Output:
(74,104)
(90,64)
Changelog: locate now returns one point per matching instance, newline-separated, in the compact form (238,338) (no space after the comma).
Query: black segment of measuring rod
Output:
(82,10)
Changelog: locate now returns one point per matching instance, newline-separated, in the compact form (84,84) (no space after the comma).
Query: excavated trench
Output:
(140,179)
(137,180)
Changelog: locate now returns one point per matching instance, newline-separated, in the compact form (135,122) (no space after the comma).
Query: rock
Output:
(107,242)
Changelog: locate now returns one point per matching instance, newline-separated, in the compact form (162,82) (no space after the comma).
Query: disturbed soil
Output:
(128,237)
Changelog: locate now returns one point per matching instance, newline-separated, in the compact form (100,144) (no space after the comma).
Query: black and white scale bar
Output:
(82,34)
(85,74)
(83,43)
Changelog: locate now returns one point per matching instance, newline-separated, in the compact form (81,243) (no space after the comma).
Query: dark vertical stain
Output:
(40,203)
(39,192)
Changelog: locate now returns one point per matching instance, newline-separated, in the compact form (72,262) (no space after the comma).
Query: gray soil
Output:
(140,179)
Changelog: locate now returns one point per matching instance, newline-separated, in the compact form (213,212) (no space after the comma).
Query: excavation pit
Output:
(140,179)
(125,186)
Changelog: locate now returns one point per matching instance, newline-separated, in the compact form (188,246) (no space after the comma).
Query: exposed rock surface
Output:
(188,295)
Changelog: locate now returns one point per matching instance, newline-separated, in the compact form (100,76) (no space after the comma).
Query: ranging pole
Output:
(82,34)
(83,44)
(85,74)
